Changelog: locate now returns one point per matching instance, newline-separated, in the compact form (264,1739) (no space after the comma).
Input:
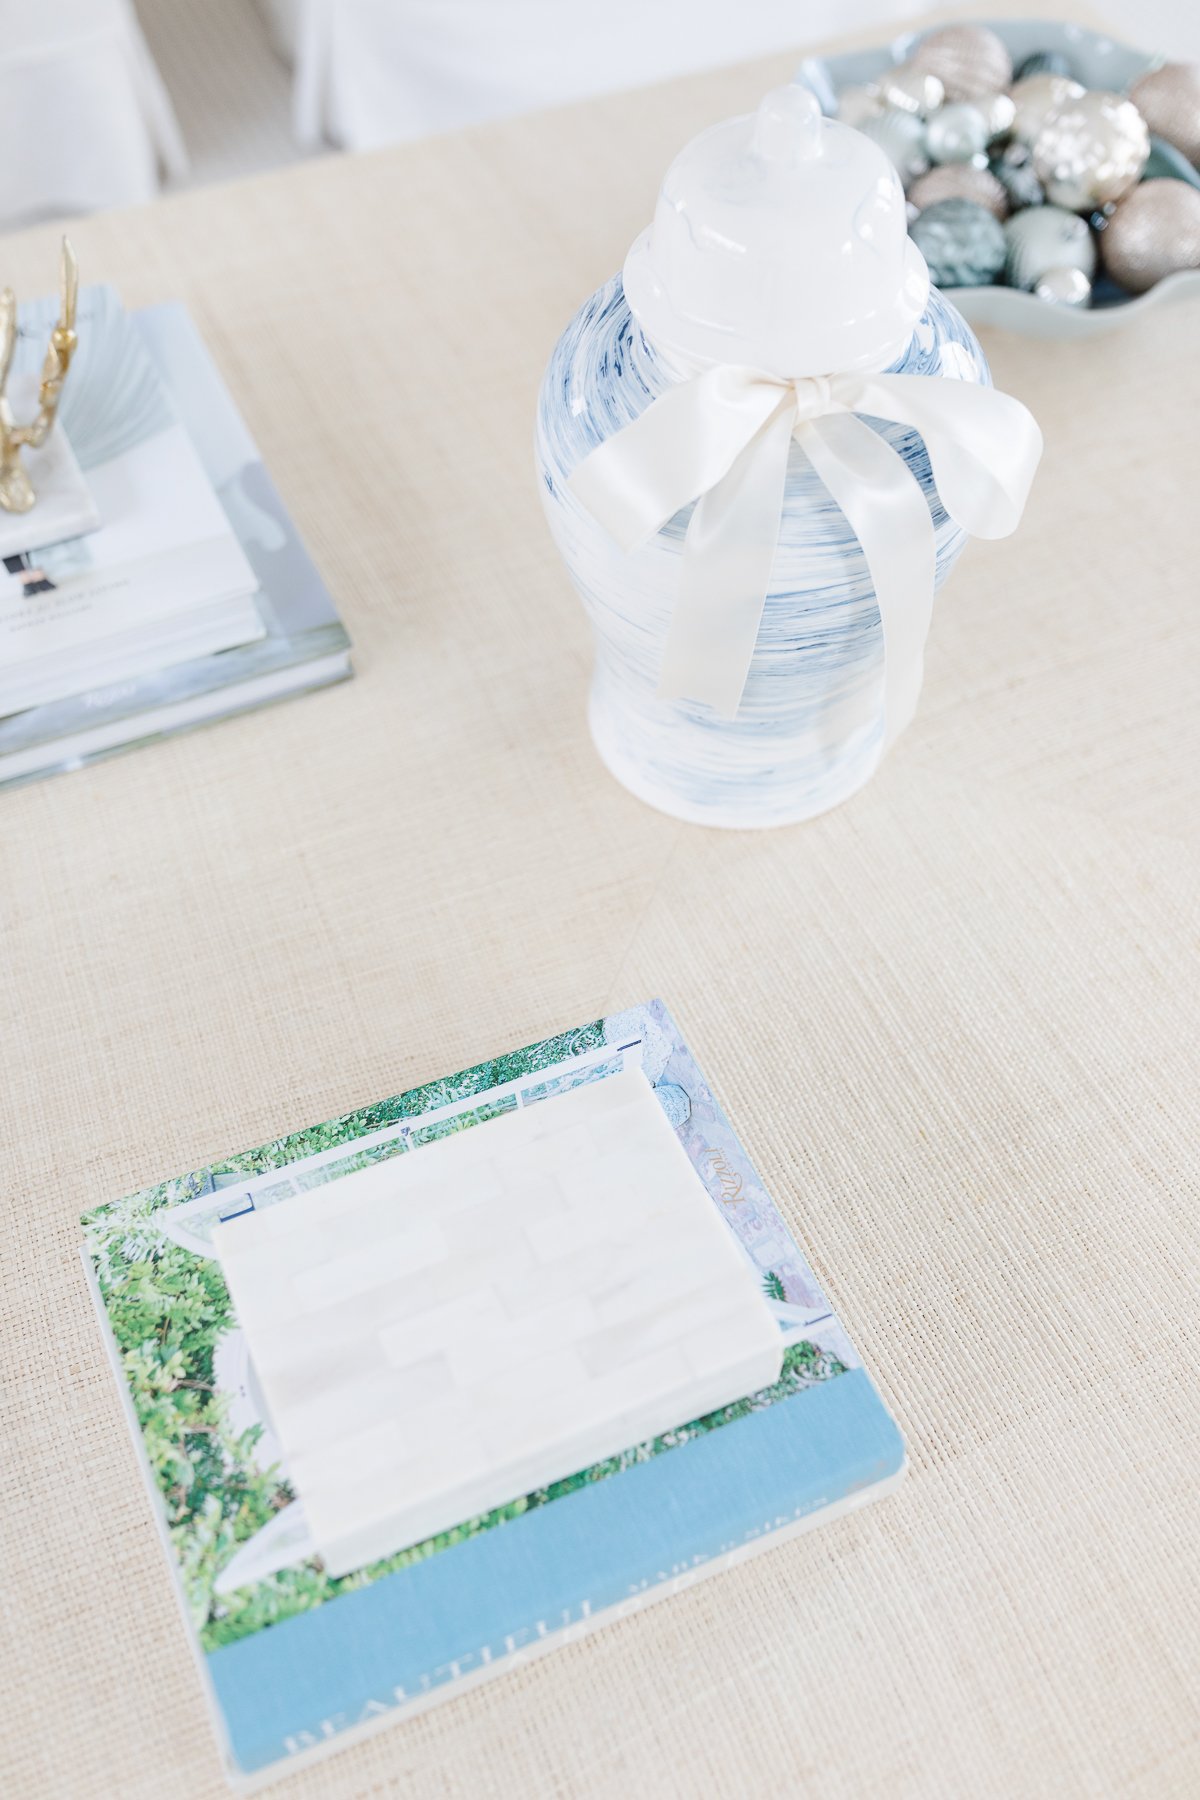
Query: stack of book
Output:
(298,1650)
(158,582)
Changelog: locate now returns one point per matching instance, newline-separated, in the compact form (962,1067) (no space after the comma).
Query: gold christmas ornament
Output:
(970,61)
(960,181)
(1091,150)
(1168,98)
(16,489)
(1034,98)
(1151,234)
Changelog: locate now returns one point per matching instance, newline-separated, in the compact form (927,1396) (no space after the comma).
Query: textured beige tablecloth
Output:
(956,1020)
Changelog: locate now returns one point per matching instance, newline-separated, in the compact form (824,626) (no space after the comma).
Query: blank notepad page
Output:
(448,1330)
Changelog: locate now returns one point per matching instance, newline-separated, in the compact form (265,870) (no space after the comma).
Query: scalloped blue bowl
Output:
(1099,62)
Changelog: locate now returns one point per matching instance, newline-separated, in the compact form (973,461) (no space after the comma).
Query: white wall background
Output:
(86,121)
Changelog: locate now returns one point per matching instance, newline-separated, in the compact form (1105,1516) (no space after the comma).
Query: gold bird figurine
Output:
(16,489)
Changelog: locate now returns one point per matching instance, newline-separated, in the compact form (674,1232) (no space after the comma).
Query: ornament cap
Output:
(779,241)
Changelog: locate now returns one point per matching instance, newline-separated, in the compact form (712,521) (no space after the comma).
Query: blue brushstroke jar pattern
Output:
(758,257)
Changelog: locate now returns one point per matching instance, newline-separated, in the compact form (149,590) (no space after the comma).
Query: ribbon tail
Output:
(727,559)
(984,446)
(887,512)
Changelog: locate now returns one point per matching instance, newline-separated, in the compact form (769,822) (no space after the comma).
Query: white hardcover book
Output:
(163,578)
(305,644)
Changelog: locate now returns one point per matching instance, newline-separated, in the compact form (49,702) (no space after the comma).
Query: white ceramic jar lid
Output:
(779,240)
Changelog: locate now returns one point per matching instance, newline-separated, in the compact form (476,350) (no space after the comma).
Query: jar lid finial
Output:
(780,240)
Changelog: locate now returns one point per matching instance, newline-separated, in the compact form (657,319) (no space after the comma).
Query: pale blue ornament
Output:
(964,244)
(1044,238)
(956,134)
(901,137)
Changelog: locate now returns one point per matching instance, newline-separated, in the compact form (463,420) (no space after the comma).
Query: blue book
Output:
(296,1662)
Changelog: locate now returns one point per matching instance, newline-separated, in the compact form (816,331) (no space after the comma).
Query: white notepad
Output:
(449,1330)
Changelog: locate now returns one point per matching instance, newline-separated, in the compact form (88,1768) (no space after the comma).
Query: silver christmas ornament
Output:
(1152,233)
(969,60)
(1036,97)
(960,181)
(1168,98)
(910,90)
(1044,238)
(858,104)
(1091,150)
(963,243)
(901,137)
(956,134)
(1064,287)
(1015,172)
(999,110)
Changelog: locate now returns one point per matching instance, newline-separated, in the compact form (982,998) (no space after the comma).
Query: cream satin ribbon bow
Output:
(721,438)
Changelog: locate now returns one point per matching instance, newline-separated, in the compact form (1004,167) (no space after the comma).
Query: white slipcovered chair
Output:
(371,72)
(85,118)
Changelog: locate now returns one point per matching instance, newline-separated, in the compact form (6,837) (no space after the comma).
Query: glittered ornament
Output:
(969,60)
(910,90)
(855,105)
(1168,163)
(1168,98)
(1035,98)
(1091,150)
(1015,172)
(1047,237)
(959,181)
(1044,62)
(963,243)
(901,137)
(956,134)
(1064,287)
(1152,233)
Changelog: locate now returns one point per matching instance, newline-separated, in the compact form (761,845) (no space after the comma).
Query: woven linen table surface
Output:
(956,1021)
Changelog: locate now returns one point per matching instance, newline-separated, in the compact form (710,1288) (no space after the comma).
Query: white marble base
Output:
(64,507)
(454,1328)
